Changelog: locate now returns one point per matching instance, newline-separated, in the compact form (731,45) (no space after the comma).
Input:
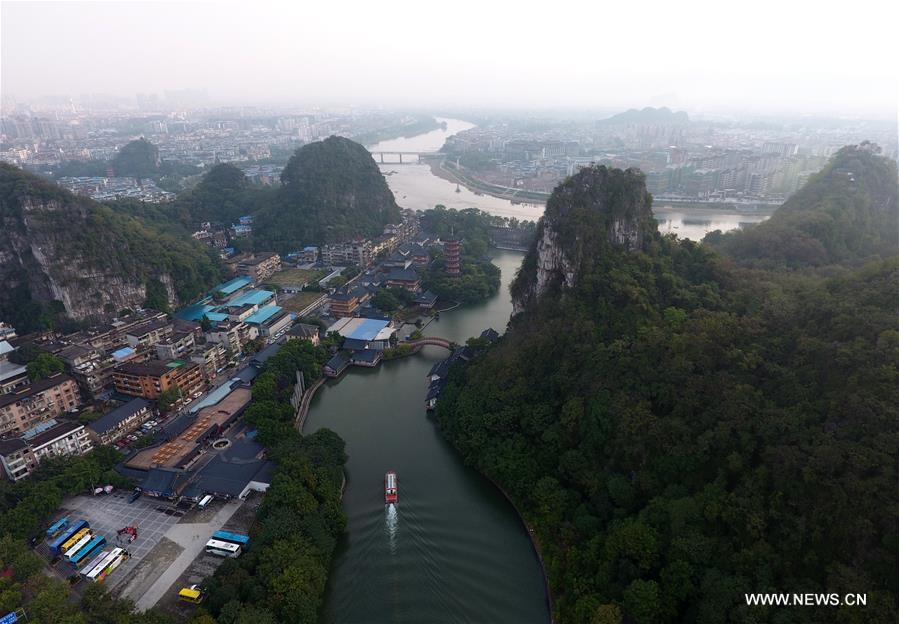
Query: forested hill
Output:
(331,191)
(679,433)
(849,212)
(63,255)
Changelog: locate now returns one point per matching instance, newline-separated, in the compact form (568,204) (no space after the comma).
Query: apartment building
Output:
(146,335)
(25,407)
(150,379)
(260,266)
(211,357)
(232,335)
(19,456)
(120,421)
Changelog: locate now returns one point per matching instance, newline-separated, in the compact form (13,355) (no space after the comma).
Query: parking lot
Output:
(107,514)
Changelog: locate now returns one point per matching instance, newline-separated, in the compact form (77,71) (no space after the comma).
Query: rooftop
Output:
(110,419)
(233,285)
(58,431)
(359,328)
(262,315)
(173,452)
(254,297)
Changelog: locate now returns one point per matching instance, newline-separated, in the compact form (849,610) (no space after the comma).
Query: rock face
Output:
(593,212)
(94,261)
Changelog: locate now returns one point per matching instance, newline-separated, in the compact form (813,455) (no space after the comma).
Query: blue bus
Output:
(56,527)
(89,549)
(69,532)
(234,538)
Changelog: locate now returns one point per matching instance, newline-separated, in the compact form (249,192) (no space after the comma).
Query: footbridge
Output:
(431,340)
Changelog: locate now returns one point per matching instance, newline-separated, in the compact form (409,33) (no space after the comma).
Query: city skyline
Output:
(794,60)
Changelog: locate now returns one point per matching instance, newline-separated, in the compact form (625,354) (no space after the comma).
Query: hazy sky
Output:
(783,55)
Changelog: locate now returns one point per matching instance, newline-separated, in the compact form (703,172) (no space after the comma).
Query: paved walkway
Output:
(192,538)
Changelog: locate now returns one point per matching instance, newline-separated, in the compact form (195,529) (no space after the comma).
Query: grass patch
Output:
(299,301)
(295,277)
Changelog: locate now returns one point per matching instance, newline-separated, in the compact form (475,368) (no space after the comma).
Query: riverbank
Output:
(439,169)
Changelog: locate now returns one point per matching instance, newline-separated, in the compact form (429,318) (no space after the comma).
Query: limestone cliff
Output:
(595,210)
(75,257)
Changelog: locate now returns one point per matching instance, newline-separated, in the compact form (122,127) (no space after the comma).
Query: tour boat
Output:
(390,488)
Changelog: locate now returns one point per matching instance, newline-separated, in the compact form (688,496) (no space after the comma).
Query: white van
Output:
(205,501)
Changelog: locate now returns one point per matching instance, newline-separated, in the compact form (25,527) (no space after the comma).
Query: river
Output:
(416,187)
(453,549)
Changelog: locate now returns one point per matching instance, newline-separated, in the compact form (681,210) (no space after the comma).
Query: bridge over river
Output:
(411,158)
(417,345)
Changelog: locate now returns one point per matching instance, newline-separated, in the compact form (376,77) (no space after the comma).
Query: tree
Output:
(205,323)
(168,398)
(44,365)
(157,297)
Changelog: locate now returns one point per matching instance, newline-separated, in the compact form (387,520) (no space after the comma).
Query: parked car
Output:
(134,496)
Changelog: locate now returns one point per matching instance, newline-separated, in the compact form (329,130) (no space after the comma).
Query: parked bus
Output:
(76,546)
(93,546)
(191,594)
(57,527)
(116,562)
(66,535)
(234,538)
(93,563)
(104,563)
(222,549)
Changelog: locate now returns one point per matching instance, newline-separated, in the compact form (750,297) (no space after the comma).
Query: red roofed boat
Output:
(391,492)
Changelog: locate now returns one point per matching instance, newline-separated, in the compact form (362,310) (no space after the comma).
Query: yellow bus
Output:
(191,594)
(73,540)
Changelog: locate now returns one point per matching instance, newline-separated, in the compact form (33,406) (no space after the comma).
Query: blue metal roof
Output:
(122,353)
(254,297)
(368,329)
(262,314)
(194,312)
(217,316)
(232,285)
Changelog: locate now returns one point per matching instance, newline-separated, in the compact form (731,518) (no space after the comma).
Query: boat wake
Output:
(391,524)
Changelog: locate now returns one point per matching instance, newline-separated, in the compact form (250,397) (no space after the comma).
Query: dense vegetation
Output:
(845,214)
(331,191)
(100,254)
(480,278)
(679,430)
(473,226)
(222,196)
(282,577)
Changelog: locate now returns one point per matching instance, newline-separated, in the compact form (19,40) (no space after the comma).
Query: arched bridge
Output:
(431,340)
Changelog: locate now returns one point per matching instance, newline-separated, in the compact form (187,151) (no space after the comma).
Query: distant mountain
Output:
(331,190)
(649,116)
(848,212)
(63,255)
(139,159)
